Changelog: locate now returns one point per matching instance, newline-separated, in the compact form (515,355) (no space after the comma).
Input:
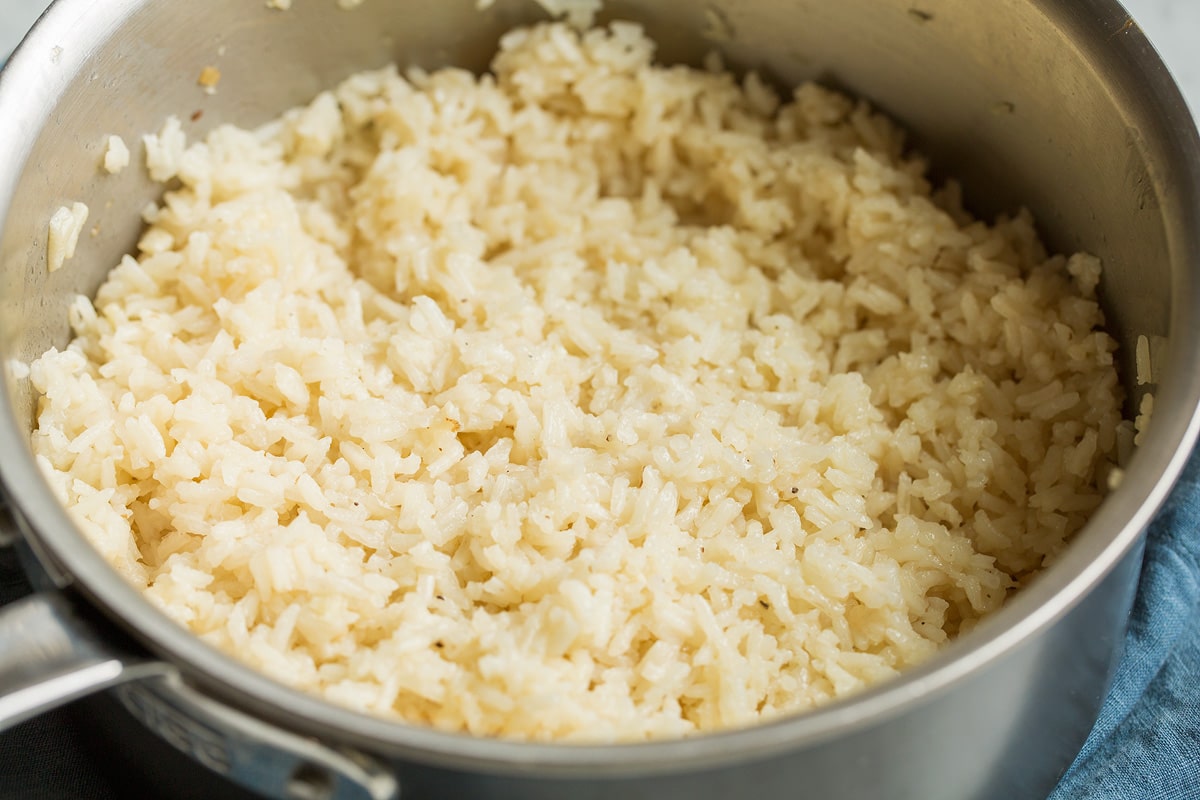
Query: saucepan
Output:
(1058,105)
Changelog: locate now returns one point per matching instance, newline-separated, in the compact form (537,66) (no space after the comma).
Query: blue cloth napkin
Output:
(1146,743)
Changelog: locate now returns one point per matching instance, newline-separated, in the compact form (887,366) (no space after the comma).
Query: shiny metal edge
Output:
(1128,511)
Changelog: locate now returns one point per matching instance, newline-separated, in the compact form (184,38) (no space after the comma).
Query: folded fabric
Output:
(1146,743)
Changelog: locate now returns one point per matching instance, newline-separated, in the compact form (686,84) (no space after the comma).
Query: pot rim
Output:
(73,28)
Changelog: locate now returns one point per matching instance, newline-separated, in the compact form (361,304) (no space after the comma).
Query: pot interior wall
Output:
(1028,102)
(995,92)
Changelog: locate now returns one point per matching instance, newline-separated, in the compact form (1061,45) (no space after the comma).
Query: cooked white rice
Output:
(579,13)
(116,155)
(585,400)
(63,235)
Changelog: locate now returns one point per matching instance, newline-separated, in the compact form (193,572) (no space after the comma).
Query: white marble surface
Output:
(1173,26)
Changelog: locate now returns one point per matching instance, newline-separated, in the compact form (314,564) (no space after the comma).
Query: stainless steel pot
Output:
(1057,104)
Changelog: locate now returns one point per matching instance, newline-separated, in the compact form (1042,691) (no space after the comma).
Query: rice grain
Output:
(587,399)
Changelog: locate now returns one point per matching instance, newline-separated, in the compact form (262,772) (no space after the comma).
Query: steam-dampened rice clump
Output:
(585,399)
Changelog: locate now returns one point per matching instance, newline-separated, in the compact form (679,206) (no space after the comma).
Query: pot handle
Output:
(54,650)
(49,656)
(253,753)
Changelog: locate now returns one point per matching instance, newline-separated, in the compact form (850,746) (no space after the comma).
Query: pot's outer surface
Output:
(1058,105)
